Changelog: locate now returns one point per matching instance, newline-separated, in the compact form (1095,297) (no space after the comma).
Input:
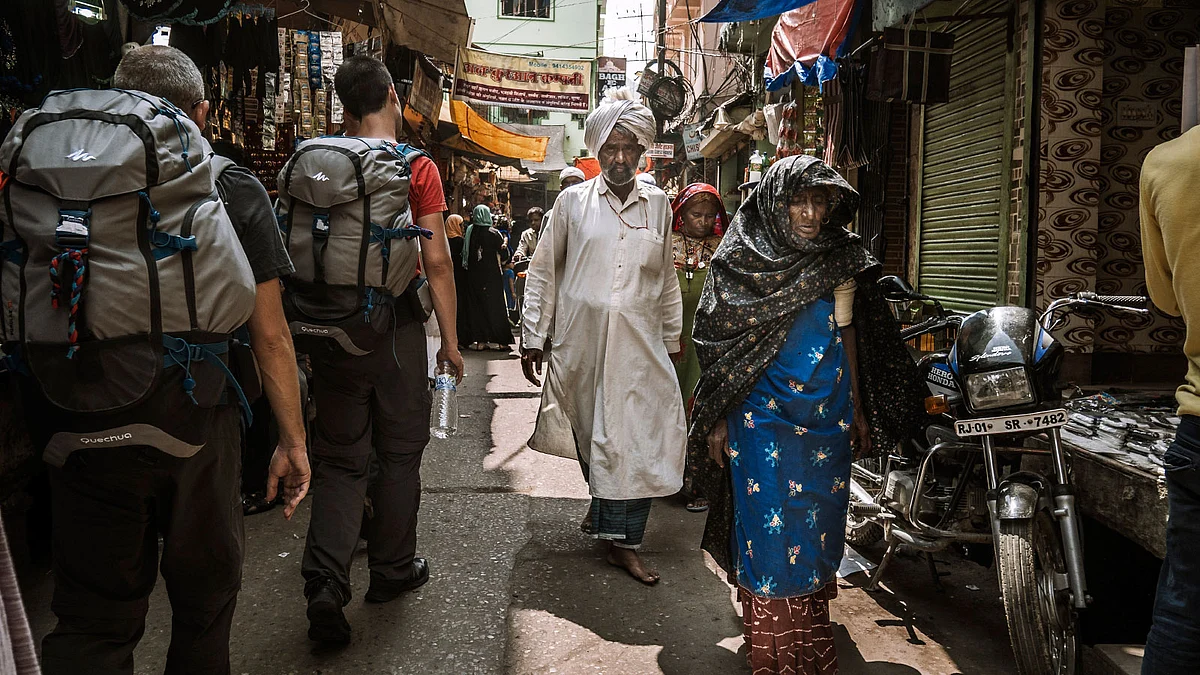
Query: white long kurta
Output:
(605,294)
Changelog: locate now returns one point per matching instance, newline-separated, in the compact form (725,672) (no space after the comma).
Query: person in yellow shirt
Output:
(1170,218)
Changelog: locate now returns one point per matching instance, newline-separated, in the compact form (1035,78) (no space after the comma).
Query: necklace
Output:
(617,213)
(693,250)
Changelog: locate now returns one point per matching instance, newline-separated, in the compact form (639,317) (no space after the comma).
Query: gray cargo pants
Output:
(379,401)
(109,508)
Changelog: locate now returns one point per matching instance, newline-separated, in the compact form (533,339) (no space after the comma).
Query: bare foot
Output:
(628,560)
(585,525)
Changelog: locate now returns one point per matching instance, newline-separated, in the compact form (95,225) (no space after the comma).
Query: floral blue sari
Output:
(790,461)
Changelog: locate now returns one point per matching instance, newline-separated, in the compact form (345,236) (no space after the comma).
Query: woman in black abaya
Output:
(482,317)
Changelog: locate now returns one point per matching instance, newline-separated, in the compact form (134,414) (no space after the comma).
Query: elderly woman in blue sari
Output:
(785,320)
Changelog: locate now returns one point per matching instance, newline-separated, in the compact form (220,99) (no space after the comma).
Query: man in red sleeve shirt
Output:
(377,401)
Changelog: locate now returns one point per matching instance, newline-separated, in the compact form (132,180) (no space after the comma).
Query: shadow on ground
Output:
(602,618)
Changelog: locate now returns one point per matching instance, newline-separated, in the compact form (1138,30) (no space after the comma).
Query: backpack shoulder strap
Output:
(411,153)
(220,166)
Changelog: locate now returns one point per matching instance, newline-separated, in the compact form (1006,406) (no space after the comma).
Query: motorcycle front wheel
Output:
(1041,620)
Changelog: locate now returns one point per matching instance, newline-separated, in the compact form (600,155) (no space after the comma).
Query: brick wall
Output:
(895,203)
(1018,220)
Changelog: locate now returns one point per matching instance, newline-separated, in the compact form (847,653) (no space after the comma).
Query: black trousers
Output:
(379,401)
(109,508)
(1173,645)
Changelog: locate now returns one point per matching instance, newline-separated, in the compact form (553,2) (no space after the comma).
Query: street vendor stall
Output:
(1117,440)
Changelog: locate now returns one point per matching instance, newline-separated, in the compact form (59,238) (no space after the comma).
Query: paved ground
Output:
(517,589)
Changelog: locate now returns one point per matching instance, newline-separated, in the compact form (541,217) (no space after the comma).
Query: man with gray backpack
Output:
(353,210)
(139,285)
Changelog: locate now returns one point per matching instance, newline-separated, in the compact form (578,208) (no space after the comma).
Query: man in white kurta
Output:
(602,301)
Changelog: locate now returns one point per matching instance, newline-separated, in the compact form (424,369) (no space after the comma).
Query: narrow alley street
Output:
(516,588)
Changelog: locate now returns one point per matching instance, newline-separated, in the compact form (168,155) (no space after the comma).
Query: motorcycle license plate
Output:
(1047,419)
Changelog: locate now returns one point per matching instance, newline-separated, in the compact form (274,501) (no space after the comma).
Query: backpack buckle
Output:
(73,228)
(320,228)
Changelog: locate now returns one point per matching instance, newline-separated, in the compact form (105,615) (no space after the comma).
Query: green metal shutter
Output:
(964,182)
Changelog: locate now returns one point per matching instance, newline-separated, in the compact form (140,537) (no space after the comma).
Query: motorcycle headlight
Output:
(999,388)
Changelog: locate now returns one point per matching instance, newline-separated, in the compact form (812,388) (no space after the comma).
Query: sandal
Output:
(697,505)
(585,525)
(256,503)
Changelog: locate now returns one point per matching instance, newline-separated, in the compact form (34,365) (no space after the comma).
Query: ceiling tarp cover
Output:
(492,139)
(807,40)
(436,27)
(729,11)
(556,133)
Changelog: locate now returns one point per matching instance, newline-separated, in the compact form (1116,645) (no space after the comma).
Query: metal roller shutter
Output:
(964,172)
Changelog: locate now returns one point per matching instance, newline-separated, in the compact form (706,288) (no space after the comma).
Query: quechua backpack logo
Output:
(343,208)
(122,279)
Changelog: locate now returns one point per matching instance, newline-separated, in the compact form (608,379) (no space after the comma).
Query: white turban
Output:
(619,108)
(571,172)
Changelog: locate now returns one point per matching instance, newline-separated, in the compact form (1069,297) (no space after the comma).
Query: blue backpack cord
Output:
(383,235)
(368,304)
(72,261)
(165,244)
(154,214)
(181,353)
(185,139)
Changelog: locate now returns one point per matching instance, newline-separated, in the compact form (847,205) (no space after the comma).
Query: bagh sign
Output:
(536,83)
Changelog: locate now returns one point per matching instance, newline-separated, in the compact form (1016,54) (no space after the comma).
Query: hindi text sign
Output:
(661,151)
(535,83)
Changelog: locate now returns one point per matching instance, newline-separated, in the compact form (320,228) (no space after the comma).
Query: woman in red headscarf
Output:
(700,220)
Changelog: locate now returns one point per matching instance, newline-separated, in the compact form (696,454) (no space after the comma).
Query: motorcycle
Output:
(993,395)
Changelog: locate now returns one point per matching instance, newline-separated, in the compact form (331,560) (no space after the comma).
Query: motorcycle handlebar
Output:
(926,326)
(1127,301)
(1132,301)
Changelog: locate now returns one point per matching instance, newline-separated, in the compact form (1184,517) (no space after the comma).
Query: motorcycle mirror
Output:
(896,289)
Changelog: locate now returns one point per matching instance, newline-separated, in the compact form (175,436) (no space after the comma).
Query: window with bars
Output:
(522,115)
(526,9)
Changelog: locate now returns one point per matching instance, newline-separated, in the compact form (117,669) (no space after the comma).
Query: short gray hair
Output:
(161,71)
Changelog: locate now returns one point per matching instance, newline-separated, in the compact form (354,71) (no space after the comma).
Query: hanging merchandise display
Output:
(194,13)
(269,87)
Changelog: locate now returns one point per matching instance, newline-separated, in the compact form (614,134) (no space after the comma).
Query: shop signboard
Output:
(610,71)
(661,151)
(425,97)
(527,82)
(692,137)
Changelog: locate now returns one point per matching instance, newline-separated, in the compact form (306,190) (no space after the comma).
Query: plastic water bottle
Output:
(445,402)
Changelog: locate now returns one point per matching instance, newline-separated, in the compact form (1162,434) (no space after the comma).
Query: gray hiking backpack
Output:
(122,279)
(343,208)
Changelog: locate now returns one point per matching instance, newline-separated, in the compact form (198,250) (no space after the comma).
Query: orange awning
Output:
(495,140)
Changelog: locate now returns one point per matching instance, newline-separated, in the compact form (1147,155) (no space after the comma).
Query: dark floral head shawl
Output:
(761,276)
(695,190)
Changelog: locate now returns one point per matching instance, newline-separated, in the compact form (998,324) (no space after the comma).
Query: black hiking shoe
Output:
(383,590)
(327,624)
